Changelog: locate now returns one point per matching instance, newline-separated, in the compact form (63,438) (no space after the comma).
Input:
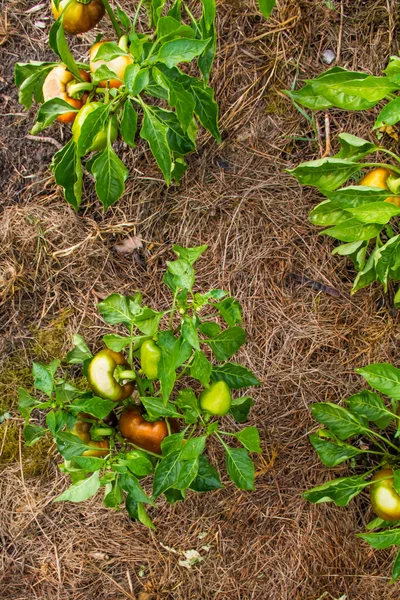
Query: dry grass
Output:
(304,345)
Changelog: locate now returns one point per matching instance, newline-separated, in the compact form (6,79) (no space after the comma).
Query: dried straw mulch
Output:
(303,344)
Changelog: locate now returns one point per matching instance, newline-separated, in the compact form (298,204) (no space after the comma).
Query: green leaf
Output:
(354,147)
(340,491)
(178,97)
(396,568)
(80,351)
(193,448)
(48,113)
(327,213)
(90,463)
(95,122)
(338,419)
(70,445)
(234,375)
(130,484)
(189,405)
(240,408)
(183,273)
(206,108)
(55,421)
(114,495)
(148,320)
(307,96)
(356,251)
(166,473)
(67,170)
(387,261)
(240,468)
(172,443)
(59,45)
(187,472)
(225,344)
(117,342)
(250,439)
(389,115)
(144,517)
(156,408)
(110,175)
(383,377)
(371,406)
(189,331)
(170,27)
(98,407)
(178,51)
(136,79)
(33,433)
(190,255)
(382,539)
(325,173)
(266,7)
(353,196)
(331,452)
(43,376)
(207,478)
(353,91)
(377,212)
(26,403)
(172,495)
(104,73)
(201,368)
(116,309)
(367,275)
(129,124)
(29,78)
(155,133)
(139,463)
(108,51)
(353,230)
(81,491)
(230,310)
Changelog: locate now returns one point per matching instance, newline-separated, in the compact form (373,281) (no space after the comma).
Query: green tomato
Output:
(150,355)
(100,139)
(384,498)
(216,399)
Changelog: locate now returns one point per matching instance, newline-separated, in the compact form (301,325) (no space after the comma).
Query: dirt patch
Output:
(302,343)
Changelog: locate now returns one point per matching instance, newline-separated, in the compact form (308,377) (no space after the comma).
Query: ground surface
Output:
(303,344)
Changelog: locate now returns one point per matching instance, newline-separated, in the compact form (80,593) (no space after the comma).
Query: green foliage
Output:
(170,130)
(194,348)
(364,426)
(356,215)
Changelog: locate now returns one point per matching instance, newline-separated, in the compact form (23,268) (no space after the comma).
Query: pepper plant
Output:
(363,214)
(364,431)
(153,399)
(135,84)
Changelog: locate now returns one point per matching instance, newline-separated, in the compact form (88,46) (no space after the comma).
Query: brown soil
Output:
(303,344)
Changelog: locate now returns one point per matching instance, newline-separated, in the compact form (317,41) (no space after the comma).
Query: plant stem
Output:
(381,165)
(135,18)
(392,154)
(75,88)
(168,426)
(112,17)
(194,22)
(127,374)
(143,450)
(381,437)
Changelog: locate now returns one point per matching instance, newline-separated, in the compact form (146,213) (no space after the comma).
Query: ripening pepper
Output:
(216,399)
(79,16)
(82,430)
(56,86)
(144,434)
(100,139)
(102,379)
(150,355)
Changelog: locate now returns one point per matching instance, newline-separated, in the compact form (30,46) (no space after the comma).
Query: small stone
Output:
(328,56)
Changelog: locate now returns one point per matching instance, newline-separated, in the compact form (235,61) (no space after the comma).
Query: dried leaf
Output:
(129,245)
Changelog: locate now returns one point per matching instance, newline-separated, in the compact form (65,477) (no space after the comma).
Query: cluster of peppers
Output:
(79,16)
(110,377)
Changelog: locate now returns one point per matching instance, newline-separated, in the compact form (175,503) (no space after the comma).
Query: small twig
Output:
(339,44)
(327,136)
(49,140)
